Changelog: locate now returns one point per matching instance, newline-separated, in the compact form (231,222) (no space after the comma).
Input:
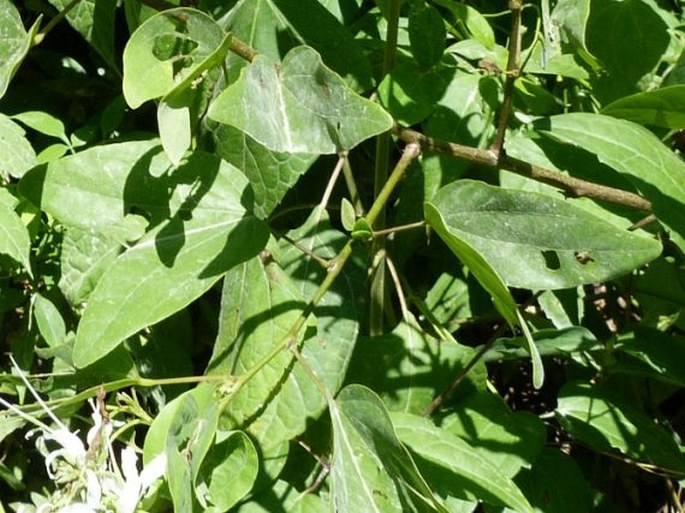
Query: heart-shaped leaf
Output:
(299,106)
(165,50)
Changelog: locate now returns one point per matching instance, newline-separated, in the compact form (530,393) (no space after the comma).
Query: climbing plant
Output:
(317,255)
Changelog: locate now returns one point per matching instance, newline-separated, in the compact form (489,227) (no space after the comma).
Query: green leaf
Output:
(133,176)
(408,368)
(453,467)
(486,275)
(203,398)
(508,440)
(371,470)
(662,356)
(655,170)
(276,26)
(538,242)
(14,43)
(571,16)
(228,472)
(259,304)
(347,214)
(409,93)
(208,231)
(299,106)
(361,230)
(473,21)
(628,24)
(84,258)
(603,420)
(179,109)
(95,20)
(16,154)
(549,342)
(556,484)
(169,49)
(190,436)
(44,123)
(271,174)
(284,496)
(427,35)
(261,300)
(662,107)
(14,237)
(49,320)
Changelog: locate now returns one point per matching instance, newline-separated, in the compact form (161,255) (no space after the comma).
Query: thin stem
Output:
(501,329)
(334,178)
(512,74)
(352,188)
(401,228)
(321,261)
(573,187)
(333,271)
(242,49)
(378,282)
(398,286)
(54,21)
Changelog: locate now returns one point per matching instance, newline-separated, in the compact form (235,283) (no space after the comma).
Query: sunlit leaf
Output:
(486,275)
(632,150)
(271,174)
(167,49)
(276,26)
(453,467)
(371,471)
(14,43)
(298,106)
(604,420)
(661,107)
(539,242)
(16,153)
(14,237)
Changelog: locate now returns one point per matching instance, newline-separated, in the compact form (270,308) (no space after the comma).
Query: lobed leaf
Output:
(299,106)
(166,50)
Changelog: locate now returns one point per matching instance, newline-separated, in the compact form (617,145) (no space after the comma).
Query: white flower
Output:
(135,484)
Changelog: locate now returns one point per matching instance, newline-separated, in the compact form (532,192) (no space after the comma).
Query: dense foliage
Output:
(342,255)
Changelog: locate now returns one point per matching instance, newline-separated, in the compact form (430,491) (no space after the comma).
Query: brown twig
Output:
(512,73)
(573,187)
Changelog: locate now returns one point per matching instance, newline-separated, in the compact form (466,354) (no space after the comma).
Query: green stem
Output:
(54,21)
(378,282)
(333,271)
